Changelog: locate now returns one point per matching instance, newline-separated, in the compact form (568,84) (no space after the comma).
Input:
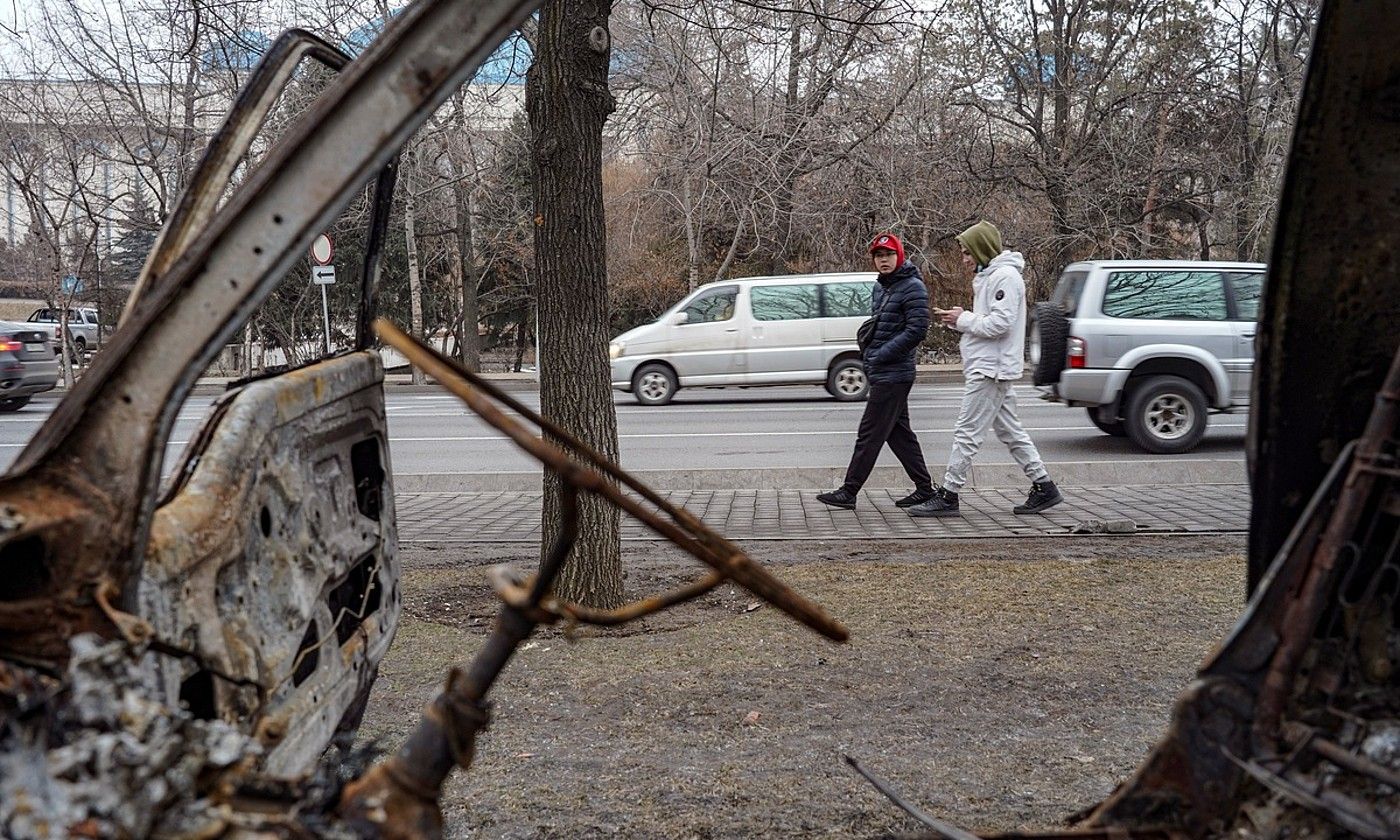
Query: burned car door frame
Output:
(82,495)
(264,580)
(227,532)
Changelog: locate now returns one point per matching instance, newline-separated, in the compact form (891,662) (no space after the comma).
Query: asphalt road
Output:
(759,428)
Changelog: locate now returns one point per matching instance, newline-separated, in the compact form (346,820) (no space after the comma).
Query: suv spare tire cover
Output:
(1050,320)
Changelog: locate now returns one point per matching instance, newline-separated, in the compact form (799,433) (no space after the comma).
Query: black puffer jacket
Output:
(900,309)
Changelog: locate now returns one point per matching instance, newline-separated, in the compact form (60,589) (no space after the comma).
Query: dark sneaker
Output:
(943,503)
(918,497)
(1044,495)
(841,498)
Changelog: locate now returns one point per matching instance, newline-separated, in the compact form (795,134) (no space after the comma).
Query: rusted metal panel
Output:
(99,454)
(1331,320)
(274,559)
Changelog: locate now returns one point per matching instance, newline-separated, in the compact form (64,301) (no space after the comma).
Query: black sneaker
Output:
(841,498)
(918,497)
(1044,495)
(943,503)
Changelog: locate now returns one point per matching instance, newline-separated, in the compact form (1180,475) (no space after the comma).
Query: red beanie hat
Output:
(889,242)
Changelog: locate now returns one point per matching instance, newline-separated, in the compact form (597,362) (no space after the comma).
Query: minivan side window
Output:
(847,300)
(1248,289)
(711,306)
(1166,295)
(784,303)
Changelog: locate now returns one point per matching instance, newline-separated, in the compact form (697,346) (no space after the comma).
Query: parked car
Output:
(1150,348)
(792,330)
(28,365)
(82,325)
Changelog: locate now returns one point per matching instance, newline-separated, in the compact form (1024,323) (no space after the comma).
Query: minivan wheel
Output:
(847,382)
(1166,415)
(1116,428)
(653,384)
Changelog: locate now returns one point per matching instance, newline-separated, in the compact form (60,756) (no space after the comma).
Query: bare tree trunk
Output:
(245,358)
(468,291)
(568,101)
(784,199)
(1203,233)
(65,352)
(733,250)
(1057,195)
(522,333)
(467,277)
(1154,178)
(415,291)
(692,235)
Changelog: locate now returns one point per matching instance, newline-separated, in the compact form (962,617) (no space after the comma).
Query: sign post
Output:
(323,275)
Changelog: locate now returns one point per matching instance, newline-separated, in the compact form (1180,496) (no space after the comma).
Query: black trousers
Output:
(886,420)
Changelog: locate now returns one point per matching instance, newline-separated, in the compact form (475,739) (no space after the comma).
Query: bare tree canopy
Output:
(749,136)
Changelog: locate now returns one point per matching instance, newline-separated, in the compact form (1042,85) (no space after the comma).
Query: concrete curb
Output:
(402,383)
(1170,471)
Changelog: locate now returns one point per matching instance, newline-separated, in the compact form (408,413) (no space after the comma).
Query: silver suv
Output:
(82,324)
(1149,347)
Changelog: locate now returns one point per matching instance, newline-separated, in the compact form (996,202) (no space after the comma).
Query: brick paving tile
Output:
(797,515)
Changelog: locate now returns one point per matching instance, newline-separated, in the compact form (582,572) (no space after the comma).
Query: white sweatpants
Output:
(989,404)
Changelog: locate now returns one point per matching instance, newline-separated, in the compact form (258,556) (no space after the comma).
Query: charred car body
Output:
(175,659)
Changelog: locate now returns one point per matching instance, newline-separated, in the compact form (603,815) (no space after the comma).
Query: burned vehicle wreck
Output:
(177,656)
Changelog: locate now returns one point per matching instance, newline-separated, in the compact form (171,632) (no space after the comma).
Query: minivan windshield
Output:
(708,305)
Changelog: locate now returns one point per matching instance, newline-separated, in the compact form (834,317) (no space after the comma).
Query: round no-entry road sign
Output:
(322,251)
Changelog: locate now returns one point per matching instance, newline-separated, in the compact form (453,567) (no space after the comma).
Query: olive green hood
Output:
(982,241)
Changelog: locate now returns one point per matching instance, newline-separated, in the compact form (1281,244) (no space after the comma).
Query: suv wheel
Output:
(653,384)
(1166,415)
(846,381)
(1049,333)
(1115,428)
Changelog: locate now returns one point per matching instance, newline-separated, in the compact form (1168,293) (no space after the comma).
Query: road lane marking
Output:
(668,435)
(692,435)
(756,408)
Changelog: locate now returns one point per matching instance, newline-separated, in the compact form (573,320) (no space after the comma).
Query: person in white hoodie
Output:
(993,347)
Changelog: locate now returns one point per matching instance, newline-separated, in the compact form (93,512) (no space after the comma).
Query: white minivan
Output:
(791,330)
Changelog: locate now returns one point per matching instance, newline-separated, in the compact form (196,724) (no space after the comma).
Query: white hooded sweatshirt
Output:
(994,330)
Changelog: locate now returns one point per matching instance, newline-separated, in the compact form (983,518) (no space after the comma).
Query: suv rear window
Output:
(1166,295)
(1248,289)
(1067,291)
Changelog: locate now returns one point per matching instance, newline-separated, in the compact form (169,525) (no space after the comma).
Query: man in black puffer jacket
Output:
(900,309)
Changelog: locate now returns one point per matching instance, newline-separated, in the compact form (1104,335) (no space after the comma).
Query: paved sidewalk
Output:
(797,515)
